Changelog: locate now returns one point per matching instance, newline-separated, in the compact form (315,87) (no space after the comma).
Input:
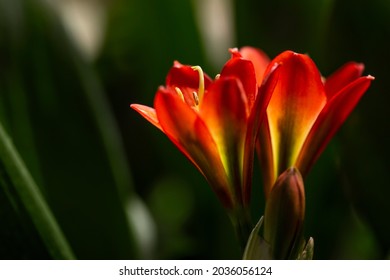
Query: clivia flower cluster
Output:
(283,108)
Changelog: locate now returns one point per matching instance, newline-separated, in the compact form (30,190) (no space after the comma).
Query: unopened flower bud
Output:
(284,215)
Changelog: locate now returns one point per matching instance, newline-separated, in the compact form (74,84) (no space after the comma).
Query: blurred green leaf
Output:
(22,191)
(54,108)
(172,205)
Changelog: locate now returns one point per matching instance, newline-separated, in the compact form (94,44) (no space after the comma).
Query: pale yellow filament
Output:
(199,98)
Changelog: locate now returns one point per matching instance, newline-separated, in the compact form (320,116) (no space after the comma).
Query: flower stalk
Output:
(241,219)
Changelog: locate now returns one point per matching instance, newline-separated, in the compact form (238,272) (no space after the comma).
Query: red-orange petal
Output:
(265,155)
(225,112)
(258,120)
(297,100)
(244,71)
(188,132)
(329,121)
(183,76)
(259,59)
(342,77)
(148,113)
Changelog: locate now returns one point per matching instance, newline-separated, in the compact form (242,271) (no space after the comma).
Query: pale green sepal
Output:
(257,248)
(308,252)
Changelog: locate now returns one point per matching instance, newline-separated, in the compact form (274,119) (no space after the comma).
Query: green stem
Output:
(242,223)
(19,178)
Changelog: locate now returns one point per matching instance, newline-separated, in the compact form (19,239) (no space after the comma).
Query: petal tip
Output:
(292,170)
(177,64)
(360,66)
(235,53)
(134,106)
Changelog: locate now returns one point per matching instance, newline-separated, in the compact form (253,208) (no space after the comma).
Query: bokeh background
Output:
(114,185)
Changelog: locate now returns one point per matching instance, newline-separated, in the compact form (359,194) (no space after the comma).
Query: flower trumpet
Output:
(214,123)
(305,110)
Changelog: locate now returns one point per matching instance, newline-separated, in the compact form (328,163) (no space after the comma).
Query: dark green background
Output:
(98,163)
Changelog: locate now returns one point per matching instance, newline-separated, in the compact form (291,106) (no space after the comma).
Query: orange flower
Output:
(305,110)
(214,122)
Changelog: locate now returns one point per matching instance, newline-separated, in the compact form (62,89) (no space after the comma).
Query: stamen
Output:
(180,93)
(196,98)
(217,76)
(201,83)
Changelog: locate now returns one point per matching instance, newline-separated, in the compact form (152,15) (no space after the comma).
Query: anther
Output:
(196,98)
(217,76)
